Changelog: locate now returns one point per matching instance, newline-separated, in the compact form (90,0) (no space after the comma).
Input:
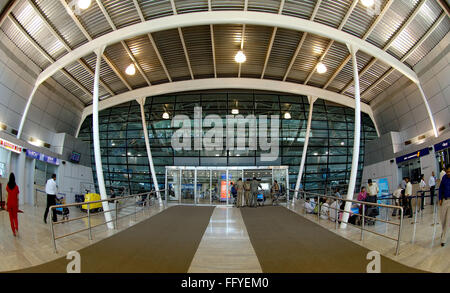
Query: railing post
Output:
(89,220)
(135,208)
(318,208)
(117,215)
(336,216)
(415,211)
(400,227)
(363,221)
(53,230)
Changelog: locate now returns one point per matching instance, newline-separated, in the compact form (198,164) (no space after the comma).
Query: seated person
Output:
(334,210)
(309,205)
(324,209)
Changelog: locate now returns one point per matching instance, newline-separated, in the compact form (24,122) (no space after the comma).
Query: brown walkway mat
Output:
(165,243)
(286,242)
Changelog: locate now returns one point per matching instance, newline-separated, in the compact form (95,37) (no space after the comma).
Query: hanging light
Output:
(240,57)
(287,115)
(165,115)
(321,68)
(368,3)
(84,4)
(131,70)
(235,111)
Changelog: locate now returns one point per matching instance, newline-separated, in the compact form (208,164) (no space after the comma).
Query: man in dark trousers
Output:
(444,205)
(50,189)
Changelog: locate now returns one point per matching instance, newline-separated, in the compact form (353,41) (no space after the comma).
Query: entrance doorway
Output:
(213,185)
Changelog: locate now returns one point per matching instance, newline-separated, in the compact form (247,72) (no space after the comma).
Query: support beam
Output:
(356,140)
(427,106)
(96,136)
(305,147)
(141,102)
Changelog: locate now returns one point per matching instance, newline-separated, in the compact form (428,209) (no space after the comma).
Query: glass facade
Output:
(329,155)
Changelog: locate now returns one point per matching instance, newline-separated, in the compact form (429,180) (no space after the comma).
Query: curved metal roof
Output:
(46,30)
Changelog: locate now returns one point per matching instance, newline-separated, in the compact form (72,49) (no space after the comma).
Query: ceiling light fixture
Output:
(321,68)
(131,70)
(165,115)
(84,4)
(240,57)
(235,111)
(368,3)
(287,115)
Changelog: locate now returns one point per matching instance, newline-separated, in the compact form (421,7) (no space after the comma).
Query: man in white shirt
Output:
(397,194)
(372,191)
(432,184)
(422,186)
(309,205)
(334,210)
(408,195)
(50,189)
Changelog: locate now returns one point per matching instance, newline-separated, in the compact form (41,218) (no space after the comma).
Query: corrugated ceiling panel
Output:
(331,12)
(155,9)
(94,21)
(147,58)
(122,12)
(312,49)
(107,75)
(227,4)
(346,74)
(65,82)
(84,77)
(391,22)
(199,47)
(332,60)
(24,45)
(59,19)
(435,37)
(227,39)
(418,27)
(256,43)
(271,6)
(35,27)
(283,49)
(360,20)
(120,58)
(187,6)
(171,50)
(302,9)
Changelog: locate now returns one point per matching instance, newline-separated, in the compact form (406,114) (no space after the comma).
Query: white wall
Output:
(384,169)
(401,108)
(70,176)
(53,109)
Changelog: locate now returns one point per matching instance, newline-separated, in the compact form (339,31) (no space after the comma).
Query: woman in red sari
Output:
(12,203)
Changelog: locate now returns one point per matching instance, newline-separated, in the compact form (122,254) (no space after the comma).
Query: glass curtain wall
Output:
(328,162)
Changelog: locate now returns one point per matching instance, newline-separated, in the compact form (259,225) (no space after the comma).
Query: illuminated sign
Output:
(442,145)
(415,155)
(10,146)
(41,157)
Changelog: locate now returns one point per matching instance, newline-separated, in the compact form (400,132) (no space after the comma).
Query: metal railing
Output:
(42,191)
(362,216)
(149,198)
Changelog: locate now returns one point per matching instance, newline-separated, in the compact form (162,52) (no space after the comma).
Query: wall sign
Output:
(10,146)
(41,157)
(415,155)
(442,145)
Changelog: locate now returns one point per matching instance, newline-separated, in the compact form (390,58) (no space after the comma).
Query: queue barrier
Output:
(146,202)
(305,195)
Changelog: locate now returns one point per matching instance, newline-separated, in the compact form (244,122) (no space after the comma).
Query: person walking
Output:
(254,190)
(12,203)
(432,184)
(247,190)
(408,196)
(275,192)
(50,189)
(444,205)
(422,186)
(240,193)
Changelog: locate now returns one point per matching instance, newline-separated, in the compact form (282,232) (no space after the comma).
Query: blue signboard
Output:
(41,157)
(415,155)
(442,145)
(223,176)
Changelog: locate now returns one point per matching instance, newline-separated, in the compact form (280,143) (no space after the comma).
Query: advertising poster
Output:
(383,186)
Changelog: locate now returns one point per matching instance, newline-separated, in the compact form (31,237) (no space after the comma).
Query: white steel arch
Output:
(229,83)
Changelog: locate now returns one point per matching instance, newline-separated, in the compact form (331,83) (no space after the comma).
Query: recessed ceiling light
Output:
(321,68)
(287,115)
(235,111)
(165,115)
(240,57)
(84,4)
(131,70)
(368,3)
(342,143)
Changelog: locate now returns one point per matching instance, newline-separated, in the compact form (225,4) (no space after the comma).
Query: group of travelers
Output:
(246,193)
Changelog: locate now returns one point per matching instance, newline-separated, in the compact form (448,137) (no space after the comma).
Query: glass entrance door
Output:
(203,187)
(187,186)
(281,177)
(173,185)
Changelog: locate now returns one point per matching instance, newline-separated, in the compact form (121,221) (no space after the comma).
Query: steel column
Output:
(356,141)
(305,147)
(96,135)
(141,102)
(427,106)
(25,111)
